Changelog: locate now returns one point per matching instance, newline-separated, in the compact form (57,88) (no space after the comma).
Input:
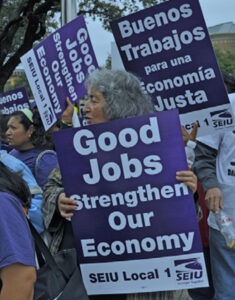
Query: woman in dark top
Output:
(31,144)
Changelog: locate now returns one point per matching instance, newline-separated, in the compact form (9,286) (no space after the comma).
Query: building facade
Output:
(223,36)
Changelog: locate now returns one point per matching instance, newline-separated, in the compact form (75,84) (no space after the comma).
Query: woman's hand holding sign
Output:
(66,205)
(189,178)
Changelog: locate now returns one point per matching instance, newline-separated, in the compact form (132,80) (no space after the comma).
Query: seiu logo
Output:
(221,118)
(48,115)
(188,269)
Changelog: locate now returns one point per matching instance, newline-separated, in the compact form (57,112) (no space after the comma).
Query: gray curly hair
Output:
(122,92)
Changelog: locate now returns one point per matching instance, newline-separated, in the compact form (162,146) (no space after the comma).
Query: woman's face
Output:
(94,107)
(17,136)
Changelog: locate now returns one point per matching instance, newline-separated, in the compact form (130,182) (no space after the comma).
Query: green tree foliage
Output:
(108,62)
(112,9)
(19,81)
(24,22)
(226,61)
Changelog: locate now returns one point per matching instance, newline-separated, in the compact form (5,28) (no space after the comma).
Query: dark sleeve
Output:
(51,192)
(205,166)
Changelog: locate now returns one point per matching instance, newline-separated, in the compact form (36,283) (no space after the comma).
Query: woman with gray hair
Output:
(122,92)
(112,94)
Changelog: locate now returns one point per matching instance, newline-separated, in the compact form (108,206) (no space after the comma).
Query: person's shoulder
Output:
(15,233)
(212,141)
(5,196)
(47,156)
(46,160)
(8,202)
(47,152)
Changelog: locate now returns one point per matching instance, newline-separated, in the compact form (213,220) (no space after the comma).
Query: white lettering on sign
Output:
(85,142)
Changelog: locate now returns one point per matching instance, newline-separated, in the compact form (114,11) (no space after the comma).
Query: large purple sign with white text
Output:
(135,225)
(169,48)
(57,67)
(14,100)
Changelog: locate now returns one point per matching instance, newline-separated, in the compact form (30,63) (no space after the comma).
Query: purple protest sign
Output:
(57,67)
(14,100)
(135,226)
(169,48)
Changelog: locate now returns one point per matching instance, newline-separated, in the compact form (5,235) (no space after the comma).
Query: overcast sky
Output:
(214,11)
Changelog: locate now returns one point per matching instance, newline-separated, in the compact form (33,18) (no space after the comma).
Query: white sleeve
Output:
(212,141)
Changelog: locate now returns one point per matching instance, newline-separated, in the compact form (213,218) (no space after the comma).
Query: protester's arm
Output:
(17,282)
(188,177)
(214,200)
(66,205)
(67,116)
(55,203)
(205,168)
(51,192)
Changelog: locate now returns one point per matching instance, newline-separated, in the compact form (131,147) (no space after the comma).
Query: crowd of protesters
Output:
(31,186)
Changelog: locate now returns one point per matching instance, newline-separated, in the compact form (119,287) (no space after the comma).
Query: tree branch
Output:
(35,30)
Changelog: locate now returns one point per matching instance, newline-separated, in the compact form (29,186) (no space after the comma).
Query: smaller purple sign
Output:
(14,100)
(169,48)
(57,67)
